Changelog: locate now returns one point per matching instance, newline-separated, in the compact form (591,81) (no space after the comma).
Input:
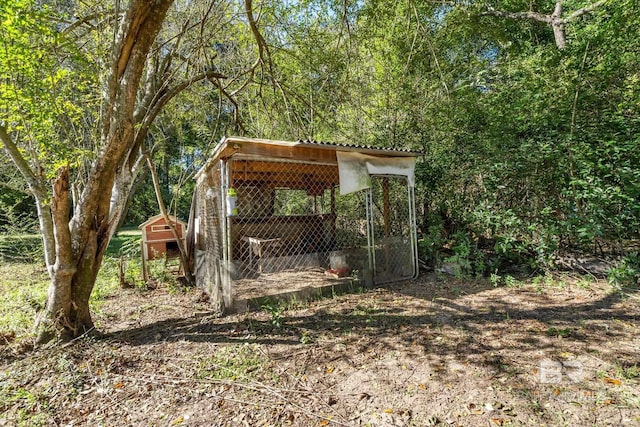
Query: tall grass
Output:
(24,280)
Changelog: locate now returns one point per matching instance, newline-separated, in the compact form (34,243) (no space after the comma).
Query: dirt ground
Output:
(435,351)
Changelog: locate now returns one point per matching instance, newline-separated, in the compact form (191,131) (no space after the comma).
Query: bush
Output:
(627,273)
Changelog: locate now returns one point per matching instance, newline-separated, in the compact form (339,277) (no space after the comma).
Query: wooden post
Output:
(333,200)
(145,266)
(386,212)
(386,209)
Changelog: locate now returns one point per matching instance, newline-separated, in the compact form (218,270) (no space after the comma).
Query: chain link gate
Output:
(392,229)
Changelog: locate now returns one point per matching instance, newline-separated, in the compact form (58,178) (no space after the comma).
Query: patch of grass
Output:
(107,283)
(126,242)
(21,248)
(28,409)
(555,332)
(23,288)
(584,282)
(276,311)
(232,362)
(549,281)
(630,372)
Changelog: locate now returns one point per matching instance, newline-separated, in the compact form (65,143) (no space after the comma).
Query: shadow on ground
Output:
(472,322)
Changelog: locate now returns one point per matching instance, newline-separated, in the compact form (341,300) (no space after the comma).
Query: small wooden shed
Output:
(158,241)
(272,217)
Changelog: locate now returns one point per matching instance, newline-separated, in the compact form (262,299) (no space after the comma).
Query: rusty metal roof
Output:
(307,151)
(227,142)
(364,148)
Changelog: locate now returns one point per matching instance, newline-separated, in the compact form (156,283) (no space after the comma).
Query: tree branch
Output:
(170,224)
(584,10)
(38,189)
(161,99)
(535,16)
(555,19)
(16,157)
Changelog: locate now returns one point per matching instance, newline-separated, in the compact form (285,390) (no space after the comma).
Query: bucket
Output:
(232,198)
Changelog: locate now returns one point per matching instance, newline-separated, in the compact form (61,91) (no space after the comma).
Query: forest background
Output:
(528,113)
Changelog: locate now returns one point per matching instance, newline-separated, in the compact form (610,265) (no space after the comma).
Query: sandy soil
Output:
(435,351)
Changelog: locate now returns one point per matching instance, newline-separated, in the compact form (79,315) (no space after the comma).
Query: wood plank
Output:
(295,152)
(288,175)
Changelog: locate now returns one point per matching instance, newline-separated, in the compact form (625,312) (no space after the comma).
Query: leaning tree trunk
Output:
(81,243)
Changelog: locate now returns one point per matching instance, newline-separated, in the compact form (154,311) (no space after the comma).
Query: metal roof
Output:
(302,150)
(365,149)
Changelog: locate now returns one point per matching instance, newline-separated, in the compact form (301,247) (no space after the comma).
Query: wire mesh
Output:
(272,226)
(393,229)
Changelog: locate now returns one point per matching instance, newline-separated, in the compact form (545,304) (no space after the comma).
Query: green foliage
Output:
(466,258)
(42,79)
(430,245)
(233,362)
(159,270)
(21,248)
(23,288)
(626,274)
(275,310)
(125,243)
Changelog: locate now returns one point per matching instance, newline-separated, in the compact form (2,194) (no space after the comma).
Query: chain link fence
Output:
(265,227)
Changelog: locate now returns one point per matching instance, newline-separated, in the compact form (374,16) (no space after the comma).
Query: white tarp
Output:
(355,169)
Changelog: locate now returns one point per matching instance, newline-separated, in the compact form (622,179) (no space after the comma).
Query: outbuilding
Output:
(299,218)
(158,240)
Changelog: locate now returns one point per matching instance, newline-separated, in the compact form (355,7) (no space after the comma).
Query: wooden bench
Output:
(261,247)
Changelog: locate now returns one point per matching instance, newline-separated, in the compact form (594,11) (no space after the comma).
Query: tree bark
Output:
(56,318)
(130,101)
(555,19)
(80,243)
(184,259)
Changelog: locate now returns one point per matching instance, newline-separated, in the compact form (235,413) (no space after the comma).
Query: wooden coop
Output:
(158,241)
(296,218)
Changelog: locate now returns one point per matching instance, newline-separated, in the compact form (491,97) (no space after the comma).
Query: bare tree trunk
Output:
(184,259)
(74,248)
(55,320)
(80,244)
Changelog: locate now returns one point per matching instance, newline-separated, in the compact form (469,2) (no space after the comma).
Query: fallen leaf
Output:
(612,381)
(498,421)
(323,423)
(557,392)
(474,410)
(433,421)
(177,421)
(119,385)
(422,386)
(388,411)
(508,411)
(330,369)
